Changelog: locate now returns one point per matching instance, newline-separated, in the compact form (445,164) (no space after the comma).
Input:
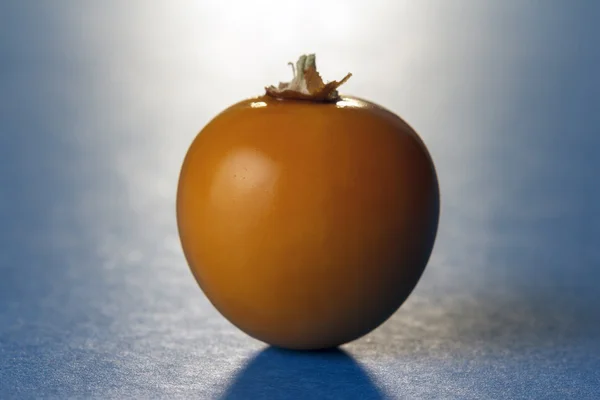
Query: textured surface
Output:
(99,103)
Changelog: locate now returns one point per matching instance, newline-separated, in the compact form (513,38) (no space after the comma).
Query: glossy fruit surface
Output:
(307,224)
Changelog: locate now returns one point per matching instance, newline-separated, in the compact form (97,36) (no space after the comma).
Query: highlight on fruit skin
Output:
(307,217)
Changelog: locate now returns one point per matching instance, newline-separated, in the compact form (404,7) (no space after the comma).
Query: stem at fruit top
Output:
(307,84)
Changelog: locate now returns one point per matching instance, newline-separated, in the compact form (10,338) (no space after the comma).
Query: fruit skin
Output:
(307,224)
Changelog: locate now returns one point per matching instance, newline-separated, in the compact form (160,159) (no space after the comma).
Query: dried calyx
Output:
(307,83)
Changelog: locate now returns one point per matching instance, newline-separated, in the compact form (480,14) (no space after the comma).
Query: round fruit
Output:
(307,217)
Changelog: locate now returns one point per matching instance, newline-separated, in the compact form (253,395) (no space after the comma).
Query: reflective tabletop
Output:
(100,101)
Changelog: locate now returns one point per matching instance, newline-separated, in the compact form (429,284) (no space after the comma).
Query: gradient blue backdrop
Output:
(99,101)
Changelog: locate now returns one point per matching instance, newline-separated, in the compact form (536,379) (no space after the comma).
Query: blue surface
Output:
(98,104)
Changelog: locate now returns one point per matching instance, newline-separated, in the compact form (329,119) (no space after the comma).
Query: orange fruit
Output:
(307,223)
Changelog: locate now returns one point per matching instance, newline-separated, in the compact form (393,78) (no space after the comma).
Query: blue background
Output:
(100,100)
